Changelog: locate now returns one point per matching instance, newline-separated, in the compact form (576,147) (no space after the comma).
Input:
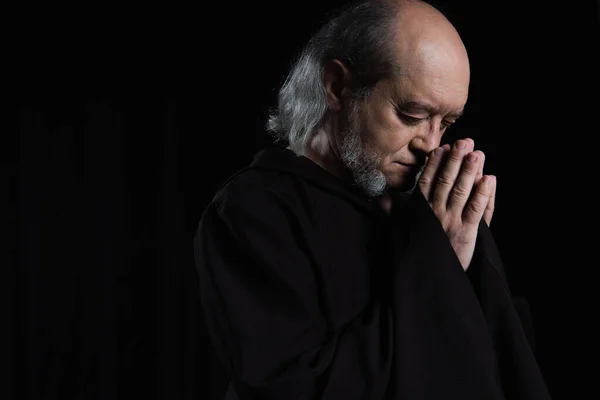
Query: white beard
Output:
(363,163)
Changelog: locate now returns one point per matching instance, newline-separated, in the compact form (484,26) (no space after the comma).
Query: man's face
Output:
(386,138)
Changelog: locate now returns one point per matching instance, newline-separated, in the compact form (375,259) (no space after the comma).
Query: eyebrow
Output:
(419,106)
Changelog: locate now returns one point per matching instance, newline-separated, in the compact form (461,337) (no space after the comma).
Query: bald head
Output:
(427,41)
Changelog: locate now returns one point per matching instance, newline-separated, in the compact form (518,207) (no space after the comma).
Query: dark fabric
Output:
(311,292)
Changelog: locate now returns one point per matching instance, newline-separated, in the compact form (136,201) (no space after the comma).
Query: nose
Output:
(427,138)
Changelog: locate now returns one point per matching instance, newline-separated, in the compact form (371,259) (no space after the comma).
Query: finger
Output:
(428,177)
(489,209)
(448,174)
(480,172)
(470,144)
(463,187)
(474,210)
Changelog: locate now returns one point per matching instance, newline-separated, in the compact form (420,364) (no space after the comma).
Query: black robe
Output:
(310,291)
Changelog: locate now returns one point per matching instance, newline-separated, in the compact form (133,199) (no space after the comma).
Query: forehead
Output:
(446,90)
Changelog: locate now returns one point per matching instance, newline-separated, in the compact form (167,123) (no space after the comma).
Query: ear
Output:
(336,80)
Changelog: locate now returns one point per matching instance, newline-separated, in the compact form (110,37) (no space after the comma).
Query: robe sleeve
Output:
(442,346)
(261,305)
(456,334)
(509,321)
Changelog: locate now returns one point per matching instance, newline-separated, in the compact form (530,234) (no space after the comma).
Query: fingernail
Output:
(461,144)
(486,180)
(438,151)
(472,157)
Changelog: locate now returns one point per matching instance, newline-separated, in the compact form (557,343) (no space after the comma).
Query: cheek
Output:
(382,131)
(393,136)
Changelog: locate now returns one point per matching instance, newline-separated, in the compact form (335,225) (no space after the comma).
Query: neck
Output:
(323,149)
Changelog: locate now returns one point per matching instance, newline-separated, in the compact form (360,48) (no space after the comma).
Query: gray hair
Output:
(361,37)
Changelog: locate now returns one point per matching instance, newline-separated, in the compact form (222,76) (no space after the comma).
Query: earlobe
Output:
(335,81)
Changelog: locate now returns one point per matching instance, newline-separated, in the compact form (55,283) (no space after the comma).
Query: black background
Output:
(127,119)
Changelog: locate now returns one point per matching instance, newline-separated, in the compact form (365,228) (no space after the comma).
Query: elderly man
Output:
(353,258)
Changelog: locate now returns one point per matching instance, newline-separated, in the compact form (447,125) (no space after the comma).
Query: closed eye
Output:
(446,124)
(409,120)
(412,121)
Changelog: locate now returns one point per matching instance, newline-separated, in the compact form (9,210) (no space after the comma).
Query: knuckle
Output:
(469,168)
(460,191)
(445,180)
(483,190)
(475,207)
(455,156)
(425,180)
